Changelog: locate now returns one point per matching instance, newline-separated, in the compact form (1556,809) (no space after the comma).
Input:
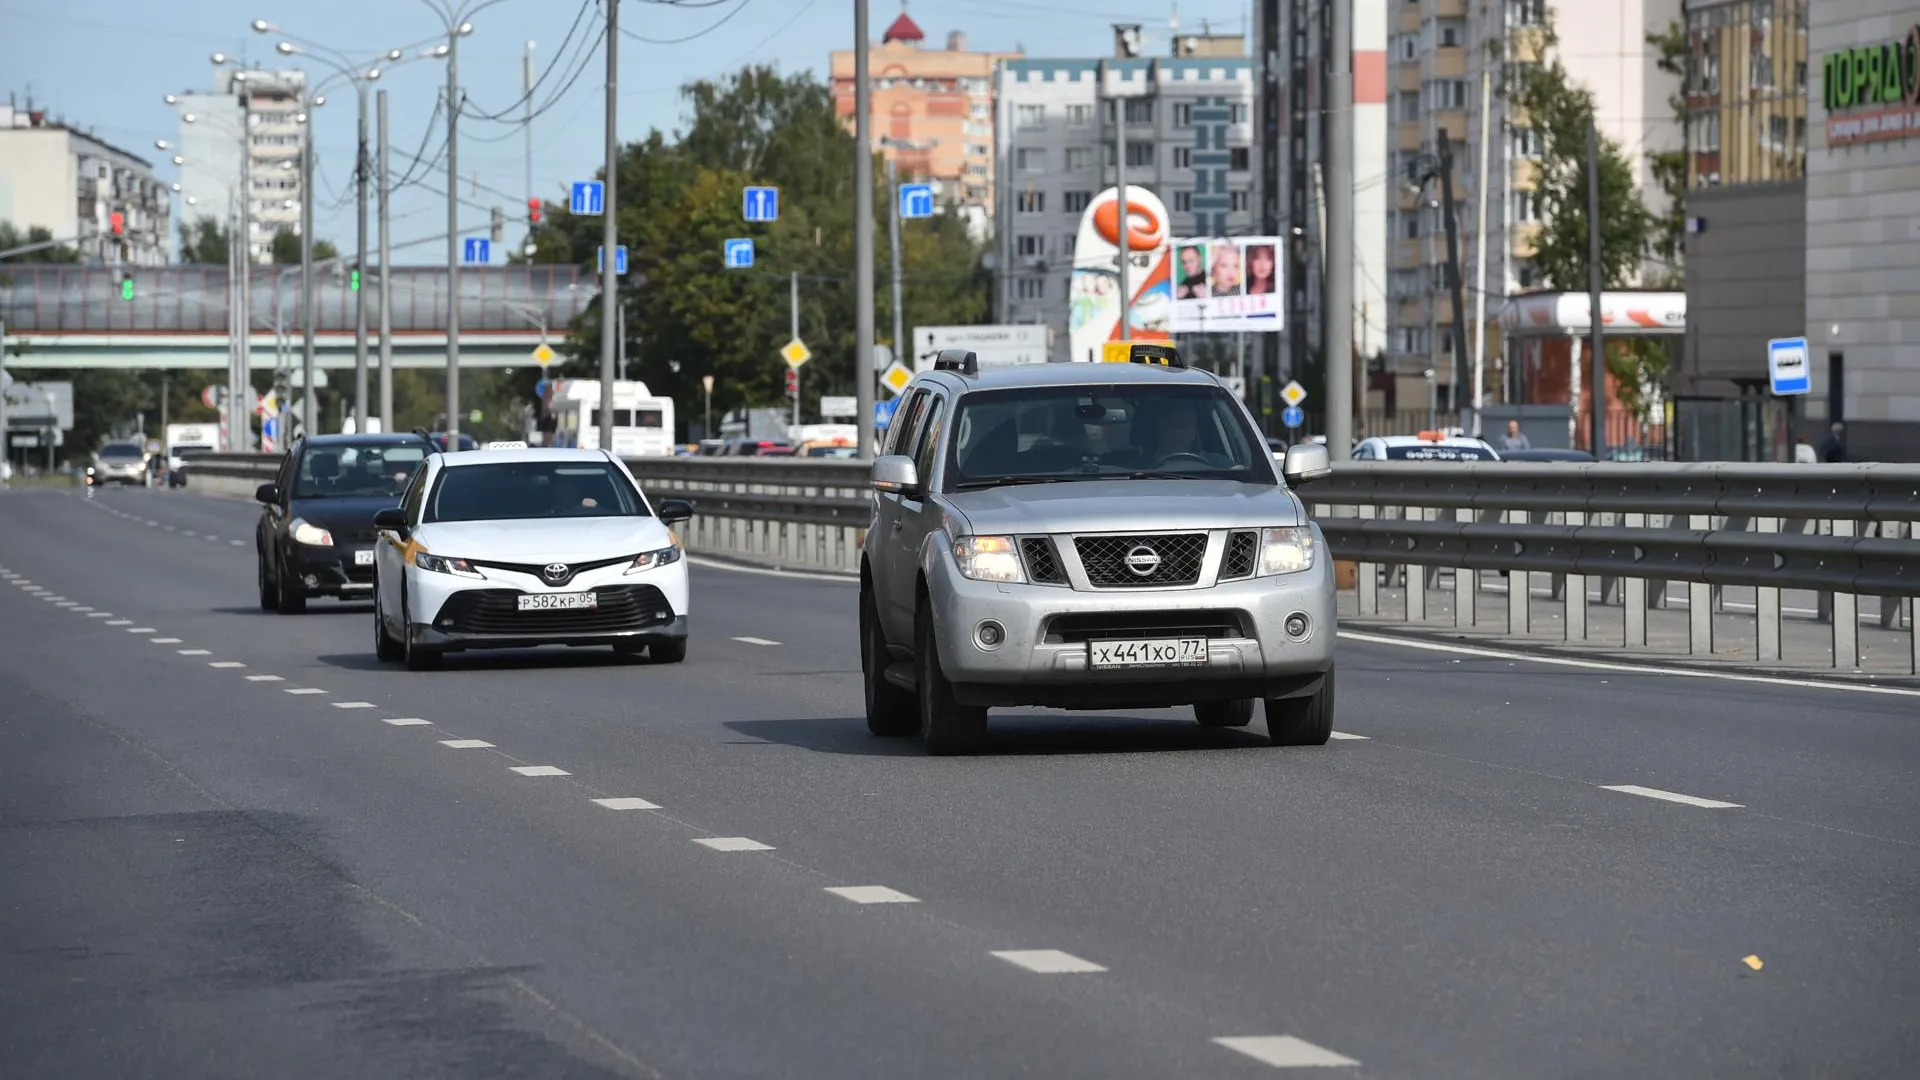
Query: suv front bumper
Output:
(1044,657)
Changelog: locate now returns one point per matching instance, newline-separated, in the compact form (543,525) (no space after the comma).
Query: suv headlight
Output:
(1286,551)
(988,558)
(649,560)
(440,564)
(305,533)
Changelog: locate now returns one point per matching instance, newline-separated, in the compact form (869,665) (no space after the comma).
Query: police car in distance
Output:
(1090,536)
(1426,446)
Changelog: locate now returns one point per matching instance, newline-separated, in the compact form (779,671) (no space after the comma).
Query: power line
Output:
(558,56)
(697,34)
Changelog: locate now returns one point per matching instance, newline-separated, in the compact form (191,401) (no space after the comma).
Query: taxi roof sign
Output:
(1141,352)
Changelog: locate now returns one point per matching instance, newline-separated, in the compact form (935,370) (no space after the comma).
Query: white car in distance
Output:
(507,549)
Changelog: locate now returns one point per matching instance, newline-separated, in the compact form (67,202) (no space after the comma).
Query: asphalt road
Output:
(206,872)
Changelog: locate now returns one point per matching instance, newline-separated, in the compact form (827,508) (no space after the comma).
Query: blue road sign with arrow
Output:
(883,411)
(1293,416)
(916,201)
(478,249)
(619,259)
(588,197)
(760,203)
(739,253)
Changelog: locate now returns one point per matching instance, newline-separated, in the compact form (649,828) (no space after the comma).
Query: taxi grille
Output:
(493,611)
(1105,559)
(1043,565)
(1243,550)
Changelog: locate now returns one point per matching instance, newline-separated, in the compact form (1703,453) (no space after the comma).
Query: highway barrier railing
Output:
(1839,531)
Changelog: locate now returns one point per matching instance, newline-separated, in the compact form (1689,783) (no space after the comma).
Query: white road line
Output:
(871,894)
(1350,735)
(121,622)
(100,615)
(171,529)
(226,664)
(626,804)
(141,630)
(540,770)
(77,610)
(236,543)
(67,603)
(194,652)
(755,641)
(466,744)
(353,704)
(165,640)
(214,539)
(406,721)
(265,678)
(1285,1051)
(734,843)
(150,524)
(1048,961)
(1670,796)
(303,690)
(190,532)
(1631,669)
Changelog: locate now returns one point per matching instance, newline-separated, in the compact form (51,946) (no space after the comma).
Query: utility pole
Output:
(526,128)
(1338,291)
(610,236)
(863,374)
(1453,270)
(1482,182)
(453,237)
(360,163)
(1125,230)
(893,226)
(386,278)
(793,334)
(1597,408)
(240,385)
(309,414)
(6,436)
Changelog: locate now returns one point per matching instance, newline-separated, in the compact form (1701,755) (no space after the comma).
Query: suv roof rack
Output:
(964,361)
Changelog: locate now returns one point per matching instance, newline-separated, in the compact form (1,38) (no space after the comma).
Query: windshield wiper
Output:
(975,485)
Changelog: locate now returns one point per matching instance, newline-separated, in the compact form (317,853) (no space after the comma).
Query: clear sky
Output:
(107,64)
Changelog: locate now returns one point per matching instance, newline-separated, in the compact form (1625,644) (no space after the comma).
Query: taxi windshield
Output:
(1122,431)
(519,490)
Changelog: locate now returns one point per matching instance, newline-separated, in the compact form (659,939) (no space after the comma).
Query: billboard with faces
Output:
(1227,285)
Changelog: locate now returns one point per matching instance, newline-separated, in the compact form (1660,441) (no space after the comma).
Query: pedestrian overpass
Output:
(72,317)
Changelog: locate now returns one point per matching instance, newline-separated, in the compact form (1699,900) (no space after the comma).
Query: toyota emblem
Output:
(1142,561)
(556,572)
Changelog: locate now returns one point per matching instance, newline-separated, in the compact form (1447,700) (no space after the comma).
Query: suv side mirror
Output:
(674,511)
(267,493)
(1306,463)
(896,474)
(393,517)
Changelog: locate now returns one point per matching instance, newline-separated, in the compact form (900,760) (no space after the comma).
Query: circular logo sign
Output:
(1142,561)
(556,572)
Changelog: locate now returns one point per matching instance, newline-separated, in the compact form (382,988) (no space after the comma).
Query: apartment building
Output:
(253,112)
(74,184)
(931,110)
(1444,60)
(1189,141)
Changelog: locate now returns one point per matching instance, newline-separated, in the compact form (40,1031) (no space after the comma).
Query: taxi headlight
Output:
(306,533)
(1286,551)
(441,564)
(649,560)
(988,558)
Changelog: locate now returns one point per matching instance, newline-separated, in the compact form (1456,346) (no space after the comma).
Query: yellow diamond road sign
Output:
(1293,393)
(896,377)
(543,354)
(795,353)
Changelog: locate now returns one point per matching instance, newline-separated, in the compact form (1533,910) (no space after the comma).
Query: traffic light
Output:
(118,221)
(793,382)
(126,283)
(353,279)
(533,211)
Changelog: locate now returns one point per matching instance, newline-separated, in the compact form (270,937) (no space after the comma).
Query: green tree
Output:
(286,249)
(204,241)
(1670,166)
(11,237)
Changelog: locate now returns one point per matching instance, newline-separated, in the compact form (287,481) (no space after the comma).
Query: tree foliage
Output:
(1670,166)
(286,248)
(204,241)
(12,237)
(679,199)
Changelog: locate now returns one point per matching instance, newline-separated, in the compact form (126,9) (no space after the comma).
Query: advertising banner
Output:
(1227,285)
(1094,294)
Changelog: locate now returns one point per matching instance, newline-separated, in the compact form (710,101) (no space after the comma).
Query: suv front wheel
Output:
(1302,721)
(947,726)
(890,710)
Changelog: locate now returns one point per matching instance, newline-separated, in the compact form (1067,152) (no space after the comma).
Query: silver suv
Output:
(1090,536)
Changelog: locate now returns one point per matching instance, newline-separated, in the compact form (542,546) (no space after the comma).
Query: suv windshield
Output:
(348,471)
(121,452)
(1129,430)
(519,490)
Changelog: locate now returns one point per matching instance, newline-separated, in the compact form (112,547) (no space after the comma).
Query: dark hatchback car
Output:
(316,535)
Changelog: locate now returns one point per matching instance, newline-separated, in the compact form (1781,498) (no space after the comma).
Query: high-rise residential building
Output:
(1189,141)
(249,111)
(90,194)
(931,111)
(1444,58)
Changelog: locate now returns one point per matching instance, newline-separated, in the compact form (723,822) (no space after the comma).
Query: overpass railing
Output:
(1839,531)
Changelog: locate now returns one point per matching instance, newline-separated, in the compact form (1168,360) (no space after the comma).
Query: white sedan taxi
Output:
(508,549)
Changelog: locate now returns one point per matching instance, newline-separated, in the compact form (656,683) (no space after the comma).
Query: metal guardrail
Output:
(1841,531)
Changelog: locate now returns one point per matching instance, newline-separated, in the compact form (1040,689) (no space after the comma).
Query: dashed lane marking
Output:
(1670,796)
(303,690)
(540,770)
(871,894)
(142,630)
(353,705)
(226,664)
(1349,735)
(165,640)
(194,652)
(405,721)
(1286,1052)
(100,615)
(1048,961)
(755,641)
(466,744)
(189,532)
(121,622)
(265,678)
(731,843)
(626,804)
(77,609)
(236,543)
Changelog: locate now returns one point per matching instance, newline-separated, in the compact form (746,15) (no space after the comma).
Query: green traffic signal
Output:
(354,281)
(126,287)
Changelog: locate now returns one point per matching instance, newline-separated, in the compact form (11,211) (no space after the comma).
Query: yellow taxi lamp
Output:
(1133,352)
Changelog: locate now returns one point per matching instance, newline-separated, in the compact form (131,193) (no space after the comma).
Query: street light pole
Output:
(309,414)
(893,227)
(863,375)
(453,238)
(610,325)
(386,276)
(360,266)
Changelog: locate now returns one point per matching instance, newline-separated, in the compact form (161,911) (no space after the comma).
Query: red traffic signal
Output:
(119,222)
(793,381)
(533,211)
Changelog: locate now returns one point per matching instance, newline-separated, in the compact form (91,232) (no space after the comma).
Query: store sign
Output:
(1872,93)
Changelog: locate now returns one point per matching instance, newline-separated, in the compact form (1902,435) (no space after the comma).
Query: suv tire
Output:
(947,726)
(418,657)
(1302,721)
(891,711)
(1236,712)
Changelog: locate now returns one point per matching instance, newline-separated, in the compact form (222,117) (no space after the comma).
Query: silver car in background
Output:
(1090,536)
